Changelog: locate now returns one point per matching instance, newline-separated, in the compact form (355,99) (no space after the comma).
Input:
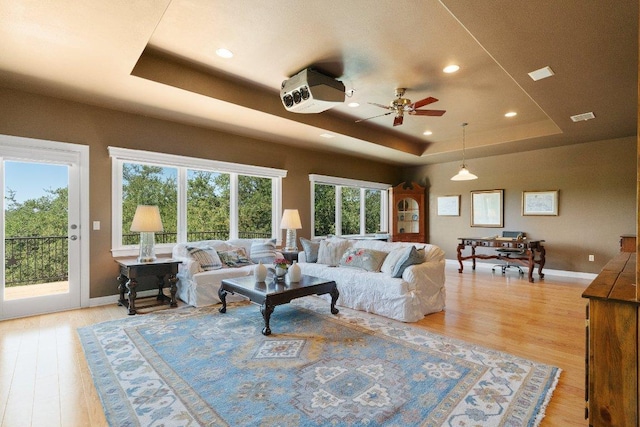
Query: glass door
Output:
(41,233)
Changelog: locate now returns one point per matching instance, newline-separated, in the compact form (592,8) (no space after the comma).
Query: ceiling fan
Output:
(400,106)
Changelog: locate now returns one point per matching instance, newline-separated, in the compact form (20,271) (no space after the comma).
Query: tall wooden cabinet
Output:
(613,344)
(407,213)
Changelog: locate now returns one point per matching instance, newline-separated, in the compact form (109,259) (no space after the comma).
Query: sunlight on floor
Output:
(41,289)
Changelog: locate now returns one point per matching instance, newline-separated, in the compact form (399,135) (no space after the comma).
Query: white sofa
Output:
(199,288)
(419,291)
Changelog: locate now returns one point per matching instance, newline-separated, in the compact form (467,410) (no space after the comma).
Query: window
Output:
(348,207)
(198,199)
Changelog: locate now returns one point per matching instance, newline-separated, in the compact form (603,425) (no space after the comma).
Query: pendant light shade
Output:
(463,174)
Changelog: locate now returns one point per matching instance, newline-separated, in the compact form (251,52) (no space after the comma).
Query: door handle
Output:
(73,237)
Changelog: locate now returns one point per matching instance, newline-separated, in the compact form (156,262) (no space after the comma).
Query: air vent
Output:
(583,117)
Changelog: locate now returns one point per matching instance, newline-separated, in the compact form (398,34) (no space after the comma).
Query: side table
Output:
(131,269)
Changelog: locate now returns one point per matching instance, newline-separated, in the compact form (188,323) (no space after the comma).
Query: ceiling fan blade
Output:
(427,112)
(398,120)
(374,117)
(422,102)
(379,105)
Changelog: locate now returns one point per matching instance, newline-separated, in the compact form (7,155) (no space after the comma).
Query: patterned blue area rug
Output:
(197,367)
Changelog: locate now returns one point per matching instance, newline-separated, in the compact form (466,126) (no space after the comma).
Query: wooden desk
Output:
(528,259)
(131,269)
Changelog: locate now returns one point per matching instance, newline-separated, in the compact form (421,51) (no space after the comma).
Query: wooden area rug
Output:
(197,367)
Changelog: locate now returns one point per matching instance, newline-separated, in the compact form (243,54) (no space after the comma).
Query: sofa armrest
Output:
(302,257)
(426,276)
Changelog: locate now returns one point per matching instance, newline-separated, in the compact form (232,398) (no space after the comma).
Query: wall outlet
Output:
(592,258)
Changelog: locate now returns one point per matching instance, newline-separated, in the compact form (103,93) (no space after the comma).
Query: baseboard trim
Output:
(546,271)
(113,299)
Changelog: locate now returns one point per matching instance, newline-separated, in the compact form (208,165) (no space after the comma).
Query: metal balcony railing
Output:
(34,260)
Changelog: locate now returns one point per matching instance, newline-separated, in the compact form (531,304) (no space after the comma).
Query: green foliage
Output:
(325,210)
(254,206)
(350,210)
(208,204)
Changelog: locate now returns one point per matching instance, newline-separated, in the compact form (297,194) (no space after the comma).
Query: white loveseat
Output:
(198,287)
(419,290)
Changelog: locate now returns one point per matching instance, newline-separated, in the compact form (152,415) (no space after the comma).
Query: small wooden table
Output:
(131,269)
(271,293)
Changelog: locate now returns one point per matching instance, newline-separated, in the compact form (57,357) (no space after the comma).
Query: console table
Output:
(527,259)
(132,269)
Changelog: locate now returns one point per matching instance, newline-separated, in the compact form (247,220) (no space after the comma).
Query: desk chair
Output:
(506,253)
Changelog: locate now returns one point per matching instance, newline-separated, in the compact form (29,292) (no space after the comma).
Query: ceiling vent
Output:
(311,92)
(583,117)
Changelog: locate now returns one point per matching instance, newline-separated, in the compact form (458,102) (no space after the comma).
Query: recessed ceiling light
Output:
(451,68)
(427,132)
(224,53)
(353,104)
(511,114)
(542,73)
(327,135)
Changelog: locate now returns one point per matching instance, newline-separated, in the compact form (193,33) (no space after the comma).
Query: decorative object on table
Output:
(487,208)
(279,270)
(260,272)
(294,272)
(540,202)
(291,222)
(431,379)
(449,205)
(147,221)
(463,174)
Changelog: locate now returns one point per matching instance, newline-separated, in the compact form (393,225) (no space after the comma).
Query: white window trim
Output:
(363,186)
(120,156)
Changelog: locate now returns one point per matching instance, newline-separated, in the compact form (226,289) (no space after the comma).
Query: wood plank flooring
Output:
(45,380)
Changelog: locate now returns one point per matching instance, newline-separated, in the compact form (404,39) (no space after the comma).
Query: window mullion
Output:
(338,210)
(182,205)
(233,206)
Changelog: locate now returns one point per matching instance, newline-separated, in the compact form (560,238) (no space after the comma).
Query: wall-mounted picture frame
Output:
(540,203)
(487,208)
(449,205)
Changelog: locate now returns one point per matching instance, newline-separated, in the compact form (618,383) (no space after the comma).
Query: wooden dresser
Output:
(613,345)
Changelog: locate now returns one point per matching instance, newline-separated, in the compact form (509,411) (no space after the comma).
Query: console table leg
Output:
(122,285)
(334,298)
(222,294)
(532,264)
(173,289)
(460,248)
(160,296)
(266,311)
(131,286)
(541,262)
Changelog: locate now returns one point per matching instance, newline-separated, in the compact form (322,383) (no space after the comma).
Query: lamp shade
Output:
(147,218)
(291,220)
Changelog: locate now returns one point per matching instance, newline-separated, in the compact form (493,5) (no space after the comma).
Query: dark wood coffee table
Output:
(271,293)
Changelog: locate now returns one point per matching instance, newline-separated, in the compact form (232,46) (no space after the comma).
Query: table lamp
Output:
(291,222)
(147,221)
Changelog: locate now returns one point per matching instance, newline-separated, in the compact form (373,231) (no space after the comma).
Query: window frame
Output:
(119,156)
(339,183)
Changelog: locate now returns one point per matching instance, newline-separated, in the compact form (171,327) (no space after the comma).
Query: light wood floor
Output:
(45,381)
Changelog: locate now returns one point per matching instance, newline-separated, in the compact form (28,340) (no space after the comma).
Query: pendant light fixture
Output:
(463,174)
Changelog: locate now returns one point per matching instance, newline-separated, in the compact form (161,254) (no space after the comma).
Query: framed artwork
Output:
(487,208)
(449,205)
(540,202)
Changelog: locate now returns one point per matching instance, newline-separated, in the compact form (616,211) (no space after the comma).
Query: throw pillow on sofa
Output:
(410,256)
(392,259)
(234,258)
(263,251)
(310,249)
(331,250)
(206,257)
(366,259)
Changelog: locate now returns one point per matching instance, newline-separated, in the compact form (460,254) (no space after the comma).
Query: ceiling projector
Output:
(311,92)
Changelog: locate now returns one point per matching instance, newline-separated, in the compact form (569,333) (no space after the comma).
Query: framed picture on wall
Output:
(487,208)
(449,205)
(540,202)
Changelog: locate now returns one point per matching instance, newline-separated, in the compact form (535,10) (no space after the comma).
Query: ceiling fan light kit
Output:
(463,174)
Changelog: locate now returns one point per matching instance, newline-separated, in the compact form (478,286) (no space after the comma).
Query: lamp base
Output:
(290,245)
(147,246)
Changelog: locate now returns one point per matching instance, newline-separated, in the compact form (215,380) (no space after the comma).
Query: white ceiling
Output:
(158,58)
